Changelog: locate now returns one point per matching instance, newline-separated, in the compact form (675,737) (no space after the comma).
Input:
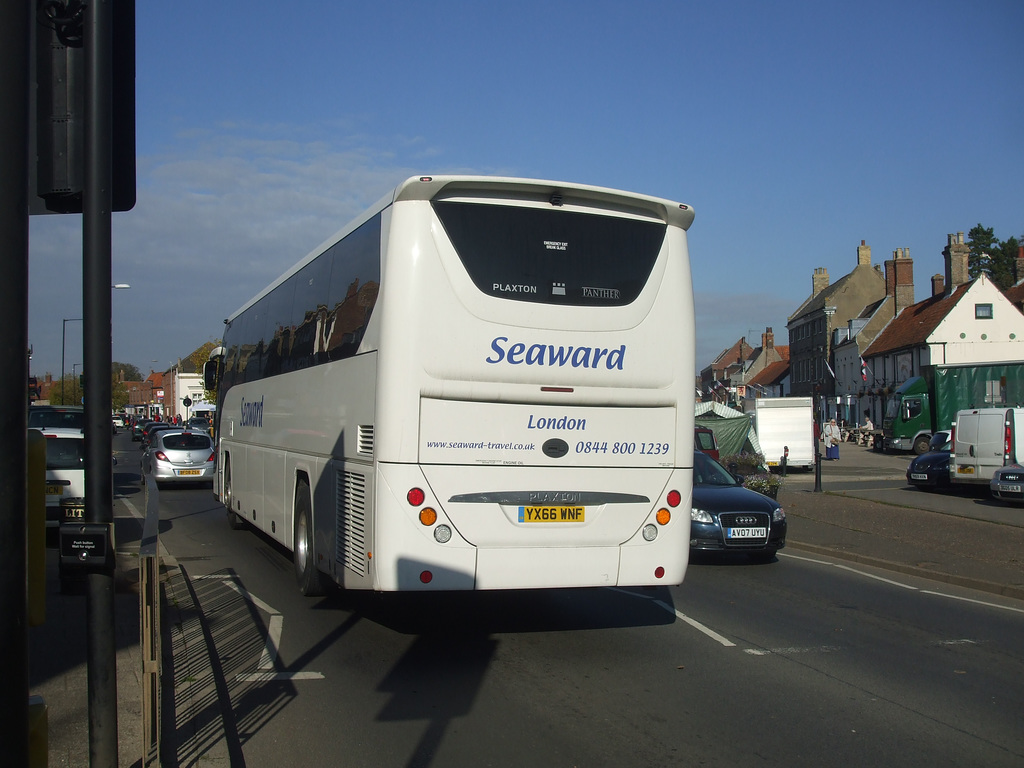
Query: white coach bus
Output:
(480,383)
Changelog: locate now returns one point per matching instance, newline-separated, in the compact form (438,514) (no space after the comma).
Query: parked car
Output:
(199,424)
(179,456)
(138,427)
(704,440)
(931,469)
(725,516)
(1008,483)
(65,470)
(152,428)
(56,417)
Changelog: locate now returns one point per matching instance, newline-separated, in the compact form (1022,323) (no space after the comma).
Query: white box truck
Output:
(983,440)
(785,422)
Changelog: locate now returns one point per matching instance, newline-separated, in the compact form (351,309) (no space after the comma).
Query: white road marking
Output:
(972,600)
(697,625)
(268,659)
(791,651)
(900,584)
(267,677)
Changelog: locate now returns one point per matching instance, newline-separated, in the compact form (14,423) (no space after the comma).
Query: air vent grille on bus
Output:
(366,439)
(350,547)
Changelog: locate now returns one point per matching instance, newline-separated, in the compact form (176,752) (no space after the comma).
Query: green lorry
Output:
(926,404)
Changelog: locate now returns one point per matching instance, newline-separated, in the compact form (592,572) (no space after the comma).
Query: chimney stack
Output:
(899,278)
(863,255)
(956,254)
(767,339)
(1018,271)
(904,267)
(820,281)
(938,286)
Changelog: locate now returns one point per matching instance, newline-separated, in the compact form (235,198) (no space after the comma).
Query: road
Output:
(805,661)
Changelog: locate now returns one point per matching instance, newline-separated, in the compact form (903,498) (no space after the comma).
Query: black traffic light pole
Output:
(14,133)
(96,250)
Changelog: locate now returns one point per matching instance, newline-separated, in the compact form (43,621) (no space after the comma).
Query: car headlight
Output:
(778,515)
(700,516)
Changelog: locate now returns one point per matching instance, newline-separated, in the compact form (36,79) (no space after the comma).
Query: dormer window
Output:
(982,311)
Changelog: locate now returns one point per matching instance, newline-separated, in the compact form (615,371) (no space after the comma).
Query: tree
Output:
(199,359)
(66,391)
(1004,264)
(982,243)
(989,256)
(131,373)
(118,392)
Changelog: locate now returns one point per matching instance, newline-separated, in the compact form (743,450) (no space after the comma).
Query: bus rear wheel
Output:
(234,521)
(306,573)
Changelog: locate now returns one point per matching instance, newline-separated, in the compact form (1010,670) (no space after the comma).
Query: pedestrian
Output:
(867,421)
(832,438)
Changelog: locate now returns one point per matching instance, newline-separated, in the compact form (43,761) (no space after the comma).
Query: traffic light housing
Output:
(58,120)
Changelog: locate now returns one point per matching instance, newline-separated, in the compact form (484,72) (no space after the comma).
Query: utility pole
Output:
(15,28)
(96,271)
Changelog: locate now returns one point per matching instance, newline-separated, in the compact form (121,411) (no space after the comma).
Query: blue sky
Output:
(795,129)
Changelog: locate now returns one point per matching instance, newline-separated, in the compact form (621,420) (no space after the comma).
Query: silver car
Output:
(1008,483)
(179,456)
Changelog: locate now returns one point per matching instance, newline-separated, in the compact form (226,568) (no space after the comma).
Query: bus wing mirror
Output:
(211,374)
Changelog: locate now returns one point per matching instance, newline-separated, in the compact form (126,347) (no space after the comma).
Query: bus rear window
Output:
(552,256)
(65,453)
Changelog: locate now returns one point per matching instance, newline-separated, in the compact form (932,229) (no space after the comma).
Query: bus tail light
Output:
(659,572)
(674,498)
(663,516)
(650,532)
(415,496)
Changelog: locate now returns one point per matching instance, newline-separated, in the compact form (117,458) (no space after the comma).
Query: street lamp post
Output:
(64,336)
(829,312)
(63,343)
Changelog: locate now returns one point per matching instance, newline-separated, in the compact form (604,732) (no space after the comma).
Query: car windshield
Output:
(186,441)
(707,471)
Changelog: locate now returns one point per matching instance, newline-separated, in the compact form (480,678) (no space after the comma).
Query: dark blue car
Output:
(931,469)
(726,517)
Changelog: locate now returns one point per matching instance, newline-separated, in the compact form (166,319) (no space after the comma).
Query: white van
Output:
(785,423)
(983,440)
(65,470)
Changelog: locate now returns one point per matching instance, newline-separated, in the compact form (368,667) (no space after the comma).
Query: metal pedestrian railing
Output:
(149,625)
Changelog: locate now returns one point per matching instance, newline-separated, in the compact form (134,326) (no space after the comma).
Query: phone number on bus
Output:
(643,449)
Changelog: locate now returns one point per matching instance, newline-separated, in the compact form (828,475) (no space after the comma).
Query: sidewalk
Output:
(58,667)
(972,553)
